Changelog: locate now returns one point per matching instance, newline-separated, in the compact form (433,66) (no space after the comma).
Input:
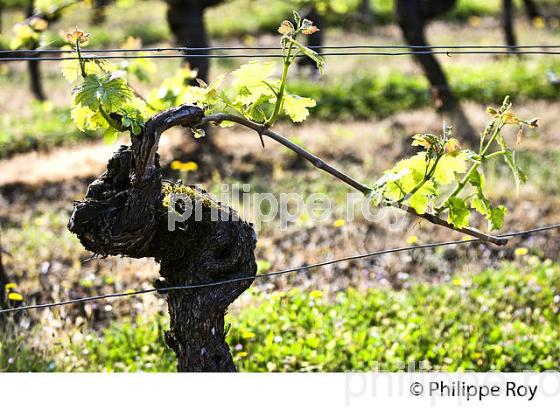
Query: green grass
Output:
(364,96)
(243,17)
(377,95)
(125,347)
(237,18)
(541,169)
(468,8)
(504,320)
(46,126)
(358,97)
(15,355)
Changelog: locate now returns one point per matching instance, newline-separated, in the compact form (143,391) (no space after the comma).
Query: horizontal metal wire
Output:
(276,48)
(260,55)
(299,269)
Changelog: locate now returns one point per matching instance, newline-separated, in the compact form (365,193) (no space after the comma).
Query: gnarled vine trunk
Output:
(33,66)
(412,17)
(508,15)
(123,214)
(186,22)
(507,22)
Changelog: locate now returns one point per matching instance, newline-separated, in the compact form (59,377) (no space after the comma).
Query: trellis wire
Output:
(261,55)
(300,269)
(276,48)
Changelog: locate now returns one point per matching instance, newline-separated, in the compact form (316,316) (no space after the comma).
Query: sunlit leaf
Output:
(448,166)
(459,214)
(297,107)
(496,217)
(476,179)
(415,167)
(87,119)
(481,205)
(111,91)
(110,135)
(253,73)
(421,198)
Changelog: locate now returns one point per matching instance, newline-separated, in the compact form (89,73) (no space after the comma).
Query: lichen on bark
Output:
(124,214)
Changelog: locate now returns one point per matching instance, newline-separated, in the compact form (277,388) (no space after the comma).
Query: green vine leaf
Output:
(481,204)
(87,119)
(403,177)
(317,59)
(71,70)
(459,214)
(206,95)
(252,83)
(111,91)
(421,198)
(496,217)
(476,179)
(448,166)
(253,73)
(110,135)
(296,107)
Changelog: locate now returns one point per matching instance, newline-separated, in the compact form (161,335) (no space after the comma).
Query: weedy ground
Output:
(48,264)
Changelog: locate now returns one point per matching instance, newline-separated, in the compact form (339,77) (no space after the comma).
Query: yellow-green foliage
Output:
(506,319)
(418,180)
(496,320)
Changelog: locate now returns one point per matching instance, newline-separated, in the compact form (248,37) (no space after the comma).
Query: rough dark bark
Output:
(123,214)
(217,251)
(508,15)
(507,22)
(36,80)
(33,67)
(412,17)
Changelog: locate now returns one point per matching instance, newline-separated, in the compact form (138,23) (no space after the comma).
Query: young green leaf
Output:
(448,166)
(459,214)
(296,107)
(253,74)
(481,205)
(476,179)
(110,90)
(496,217)
(317,59)
(110,135)
(71,70)
(421,198)
(207,95)
(86,119)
